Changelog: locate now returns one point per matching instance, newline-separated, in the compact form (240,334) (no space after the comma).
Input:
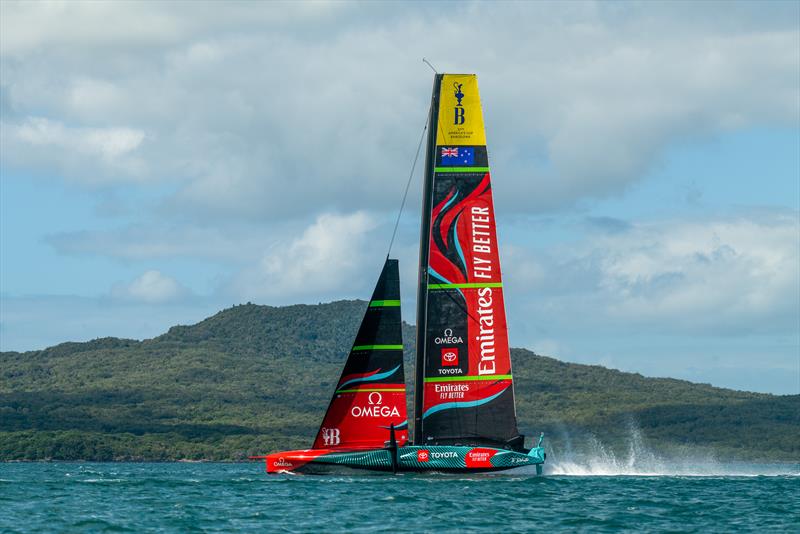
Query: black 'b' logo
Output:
(459,109)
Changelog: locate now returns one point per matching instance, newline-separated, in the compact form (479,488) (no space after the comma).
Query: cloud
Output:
(264,111)
(717,275)
(150,287)
(85,25)
(92,153)
(109,143)
(93,99)
(332,255)
(722,273)
(729,276)
(329,258)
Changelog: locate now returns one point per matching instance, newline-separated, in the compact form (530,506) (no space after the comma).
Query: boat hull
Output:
(438,458)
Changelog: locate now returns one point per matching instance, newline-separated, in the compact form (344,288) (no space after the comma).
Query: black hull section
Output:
(411,459)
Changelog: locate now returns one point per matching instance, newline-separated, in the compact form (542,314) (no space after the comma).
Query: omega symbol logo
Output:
(375,407)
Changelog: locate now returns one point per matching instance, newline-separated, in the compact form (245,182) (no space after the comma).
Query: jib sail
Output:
(371,394)
(463,361)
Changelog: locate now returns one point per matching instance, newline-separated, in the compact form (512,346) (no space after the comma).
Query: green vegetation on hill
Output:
(253,379)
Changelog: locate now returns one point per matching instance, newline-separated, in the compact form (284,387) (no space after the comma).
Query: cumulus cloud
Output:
(721,276)
(93,99)
(329,257)
(743,270)
(150,287)
(580,99)
(108,143)
(30,26)
(36,141)
(725,275)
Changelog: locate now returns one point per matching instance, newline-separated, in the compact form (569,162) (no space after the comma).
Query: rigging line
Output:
(408,183)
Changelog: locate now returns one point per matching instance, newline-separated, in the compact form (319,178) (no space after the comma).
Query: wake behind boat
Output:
(464,409)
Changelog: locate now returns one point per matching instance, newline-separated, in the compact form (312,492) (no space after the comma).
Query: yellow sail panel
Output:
(460,114)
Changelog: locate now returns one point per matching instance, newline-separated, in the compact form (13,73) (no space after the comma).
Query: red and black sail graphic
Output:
(370,394)
(464,365)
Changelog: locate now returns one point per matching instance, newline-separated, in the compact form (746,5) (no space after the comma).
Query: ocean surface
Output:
(219,497)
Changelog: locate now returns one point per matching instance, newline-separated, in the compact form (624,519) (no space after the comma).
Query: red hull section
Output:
(282,462)
(287,461)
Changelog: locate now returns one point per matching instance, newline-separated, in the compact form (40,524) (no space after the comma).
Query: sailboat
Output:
(464,410)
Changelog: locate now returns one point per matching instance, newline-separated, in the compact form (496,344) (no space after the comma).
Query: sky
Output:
(162,161)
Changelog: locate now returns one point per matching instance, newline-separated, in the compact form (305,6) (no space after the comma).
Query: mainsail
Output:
(464,387)
(371,393)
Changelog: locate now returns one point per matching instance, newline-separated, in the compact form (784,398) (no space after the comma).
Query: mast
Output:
(424,250)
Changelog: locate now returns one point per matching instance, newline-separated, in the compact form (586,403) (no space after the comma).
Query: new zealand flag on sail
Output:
(458,156)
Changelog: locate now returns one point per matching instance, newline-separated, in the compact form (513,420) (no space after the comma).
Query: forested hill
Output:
(253,379)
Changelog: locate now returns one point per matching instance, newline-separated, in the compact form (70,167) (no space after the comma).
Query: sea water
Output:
(219,497)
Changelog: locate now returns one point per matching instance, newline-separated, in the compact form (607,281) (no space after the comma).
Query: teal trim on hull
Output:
(438,458)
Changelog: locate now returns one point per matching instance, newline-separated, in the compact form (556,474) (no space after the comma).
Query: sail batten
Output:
(464,381)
